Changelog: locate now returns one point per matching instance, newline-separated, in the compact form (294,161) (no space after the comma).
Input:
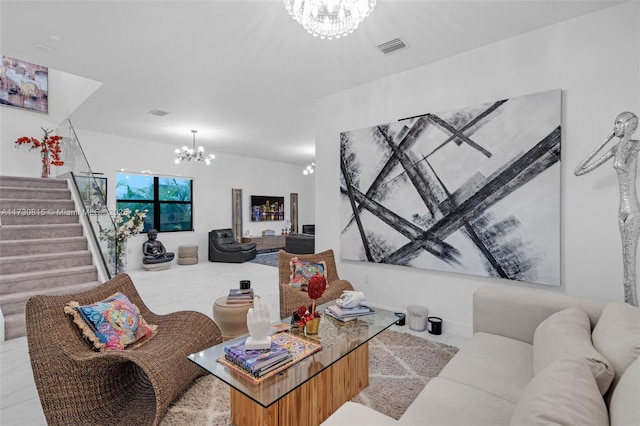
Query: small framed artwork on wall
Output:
(24,85)
(92,186)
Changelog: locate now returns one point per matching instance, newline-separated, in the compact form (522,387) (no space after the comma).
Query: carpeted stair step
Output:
(15,321)
(42,246)
(31,232)
(44,262)
(29,281)
(30,182)
(27,211)
(26,207)
(15,303)
(15,217)
(12,192)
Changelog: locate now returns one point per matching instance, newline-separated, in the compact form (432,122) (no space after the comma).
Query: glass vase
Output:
(121,257)
(46,165)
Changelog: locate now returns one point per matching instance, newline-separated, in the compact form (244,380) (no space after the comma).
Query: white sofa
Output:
(536,357)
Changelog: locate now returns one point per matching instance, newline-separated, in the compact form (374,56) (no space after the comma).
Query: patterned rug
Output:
(269,259)
(400,365)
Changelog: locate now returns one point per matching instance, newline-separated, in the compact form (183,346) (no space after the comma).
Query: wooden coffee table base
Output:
(312,402)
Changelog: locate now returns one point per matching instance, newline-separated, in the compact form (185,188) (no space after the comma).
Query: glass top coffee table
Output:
(310,390)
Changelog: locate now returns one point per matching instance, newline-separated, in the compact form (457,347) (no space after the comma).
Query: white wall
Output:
(594,59)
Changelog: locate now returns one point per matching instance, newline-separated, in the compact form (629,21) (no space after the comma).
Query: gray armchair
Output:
(224,248)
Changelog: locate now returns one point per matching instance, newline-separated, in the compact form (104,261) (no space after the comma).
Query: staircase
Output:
(42,246)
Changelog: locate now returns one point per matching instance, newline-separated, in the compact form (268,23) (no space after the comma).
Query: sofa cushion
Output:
(248,246)
(231,246)
(617,335)
(568,334)
(516,313)
(623,408)
(498,365)
(563,393)
(352,413)
(447,402)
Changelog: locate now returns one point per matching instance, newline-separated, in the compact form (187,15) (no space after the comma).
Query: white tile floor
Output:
(193,287)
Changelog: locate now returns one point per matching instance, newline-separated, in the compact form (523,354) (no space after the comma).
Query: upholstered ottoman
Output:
(231,318)
(188,255)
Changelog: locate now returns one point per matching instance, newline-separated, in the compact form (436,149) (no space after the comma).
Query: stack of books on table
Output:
(239,296)
(348,314)
(257,362)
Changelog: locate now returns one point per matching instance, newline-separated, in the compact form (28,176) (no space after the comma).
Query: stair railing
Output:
(90,190)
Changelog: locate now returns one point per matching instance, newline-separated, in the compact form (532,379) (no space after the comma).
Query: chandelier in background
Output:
(329,18)
(189,154)
(310,169)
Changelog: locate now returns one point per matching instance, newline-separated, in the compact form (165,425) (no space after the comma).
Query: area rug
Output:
(400,365)
(269,259)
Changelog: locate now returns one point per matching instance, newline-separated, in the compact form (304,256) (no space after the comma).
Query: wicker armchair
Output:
(291,297)
(78,386)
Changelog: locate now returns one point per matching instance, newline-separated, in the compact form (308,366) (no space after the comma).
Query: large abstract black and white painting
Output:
(475,190)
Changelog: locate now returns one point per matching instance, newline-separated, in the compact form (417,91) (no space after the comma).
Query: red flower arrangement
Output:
(48,144)
(315,288)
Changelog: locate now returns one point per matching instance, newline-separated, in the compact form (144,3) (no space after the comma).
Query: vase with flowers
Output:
(309,317)
(49,148)
(127,224)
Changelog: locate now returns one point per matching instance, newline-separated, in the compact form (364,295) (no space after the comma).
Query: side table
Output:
(231,318)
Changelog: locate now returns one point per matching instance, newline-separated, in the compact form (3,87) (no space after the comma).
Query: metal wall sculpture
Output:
(474,190)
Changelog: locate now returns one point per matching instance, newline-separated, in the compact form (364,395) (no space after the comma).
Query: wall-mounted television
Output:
(266,208)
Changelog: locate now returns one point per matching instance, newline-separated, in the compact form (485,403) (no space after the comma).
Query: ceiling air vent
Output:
(158,112)
(392,46)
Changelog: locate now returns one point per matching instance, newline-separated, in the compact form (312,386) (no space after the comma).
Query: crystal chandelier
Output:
(189,154)
(329,18)
(310,169)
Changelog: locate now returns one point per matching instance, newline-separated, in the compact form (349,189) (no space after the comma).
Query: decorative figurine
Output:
(153,250)
(350,299)
(625,161)
(258,319)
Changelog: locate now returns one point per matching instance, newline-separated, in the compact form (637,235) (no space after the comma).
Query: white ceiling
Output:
(243,73)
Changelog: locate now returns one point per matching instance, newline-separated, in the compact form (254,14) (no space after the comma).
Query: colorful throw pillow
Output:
(111,324)
(302,271)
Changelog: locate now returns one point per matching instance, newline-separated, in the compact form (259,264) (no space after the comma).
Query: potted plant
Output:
(49,150)
(309,316)
(127,224)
